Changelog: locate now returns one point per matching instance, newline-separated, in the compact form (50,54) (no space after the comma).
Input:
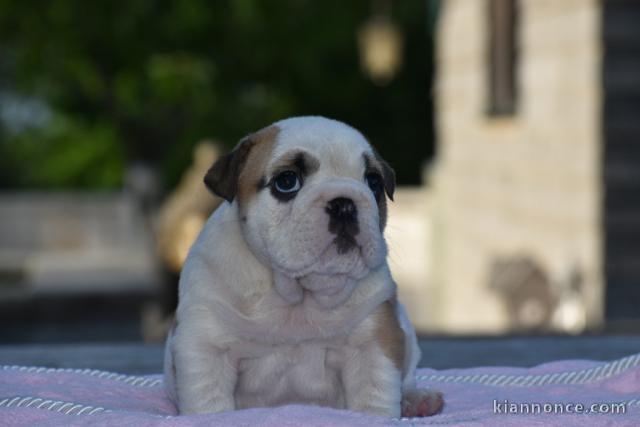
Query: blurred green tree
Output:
(147,79)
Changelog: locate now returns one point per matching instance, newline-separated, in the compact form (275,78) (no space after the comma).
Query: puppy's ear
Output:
(388,176)
(222,177)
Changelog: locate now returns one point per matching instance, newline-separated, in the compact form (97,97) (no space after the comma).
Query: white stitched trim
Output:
(68,408)
(134,380)
(583,376)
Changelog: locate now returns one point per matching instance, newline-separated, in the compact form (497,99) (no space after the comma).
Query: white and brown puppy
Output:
(286,296)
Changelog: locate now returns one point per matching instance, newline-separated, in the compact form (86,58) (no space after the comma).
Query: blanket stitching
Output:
(583,376)
(49,405)
(595,373)
(127,379)
(602,371)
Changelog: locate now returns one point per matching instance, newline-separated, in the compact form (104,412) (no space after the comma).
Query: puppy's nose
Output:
(342,209)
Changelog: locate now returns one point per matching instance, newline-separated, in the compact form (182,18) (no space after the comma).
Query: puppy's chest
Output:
(304,373)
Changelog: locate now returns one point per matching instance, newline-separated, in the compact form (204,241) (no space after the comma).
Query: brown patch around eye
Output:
(293,165)
(301,162)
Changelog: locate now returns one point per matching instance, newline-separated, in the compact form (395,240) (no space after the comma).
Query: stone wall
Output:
(522,187)
(57,244)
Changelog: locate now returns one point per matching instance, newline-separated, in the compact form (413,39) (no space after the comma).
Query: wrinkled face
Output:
(311,197)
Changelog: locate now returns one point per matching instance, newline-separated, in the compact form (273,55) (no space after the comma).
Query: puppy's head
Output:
(311,197)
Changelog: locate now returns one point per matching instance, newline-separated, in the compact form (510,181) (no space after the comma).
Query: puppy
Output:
(286,296)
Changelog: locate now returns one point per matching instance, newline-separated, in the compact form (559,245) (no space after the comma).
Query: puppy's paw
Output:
(421,403)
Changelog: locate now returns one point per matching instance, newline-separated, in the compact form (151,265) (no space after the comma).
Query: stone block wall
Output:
(525,186)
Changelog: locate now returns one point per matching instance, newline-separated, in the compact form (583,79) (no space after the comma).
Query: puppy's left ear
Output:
(388,176)
(222,177)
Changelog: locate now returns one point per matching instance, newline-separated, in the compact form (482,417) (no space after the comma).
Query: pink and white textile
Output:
(604,393)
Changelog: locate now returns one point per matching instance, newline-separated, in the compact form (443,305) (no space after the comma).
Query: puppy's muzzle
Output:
(343,222)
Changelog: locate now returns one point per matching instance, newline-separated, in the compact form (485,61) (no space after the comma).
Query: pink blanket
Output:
(567,393)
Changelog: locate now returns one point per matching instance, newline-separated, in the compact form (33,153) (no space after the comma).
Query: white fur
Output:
(270,313)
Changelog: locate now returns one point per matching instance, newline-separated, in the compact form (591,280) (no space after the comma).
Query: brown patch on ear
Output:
(388,180)
(382,212)
(251,177)
(223,178)
(388,176)
(389,334)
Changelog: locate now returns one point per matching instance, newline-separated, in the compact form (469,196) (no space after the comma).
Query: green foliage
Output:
(147,79)
(65,152)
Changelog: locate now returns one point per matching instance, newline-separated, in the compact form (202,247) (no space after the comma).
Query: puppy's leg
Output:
(372,383)
(379,377)
(205,379)
(415,402)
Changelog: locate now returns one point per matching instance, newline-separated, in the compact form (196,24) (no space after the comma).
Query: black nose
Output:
(342,209)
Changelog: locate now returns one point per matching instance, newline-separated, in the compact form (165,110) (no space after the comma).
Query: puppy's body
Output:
(282,303)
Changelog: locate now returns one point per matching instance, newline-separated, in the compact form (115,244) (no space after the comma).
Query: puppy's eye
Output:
(374,181)
(287,182)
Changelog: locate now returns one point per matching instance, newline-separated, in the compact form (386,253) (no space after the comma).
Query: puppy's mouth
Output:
(345,242)
(342,244)
(330,275)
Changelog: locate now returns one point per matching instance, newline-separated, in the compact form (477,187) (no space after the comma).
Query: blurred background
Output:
(512,126)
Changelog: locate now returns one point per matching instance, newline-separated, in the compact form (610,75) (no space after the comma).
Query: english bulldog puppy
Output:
(286,296)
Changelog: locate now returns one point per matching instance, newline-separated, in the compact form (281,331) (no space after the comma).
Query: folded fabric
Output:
(568,393)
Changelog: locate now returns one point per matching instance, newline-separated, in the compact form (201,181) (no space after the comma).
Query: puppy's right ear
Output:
(222,177)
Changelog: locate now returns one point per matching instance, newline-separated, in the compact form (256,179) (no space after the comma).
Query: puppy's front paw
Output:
(421,403)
